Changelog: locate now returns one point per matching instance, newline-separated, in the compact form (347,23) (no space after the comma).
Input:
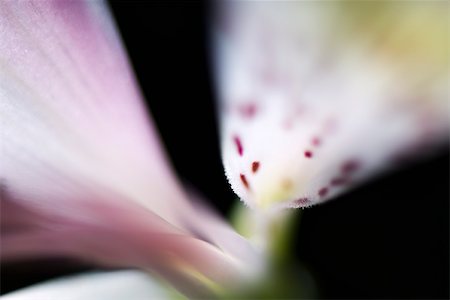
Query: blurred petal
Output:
(72,115)
(99,285)
(83,172)
(207,225)
(319,96)
(118,233)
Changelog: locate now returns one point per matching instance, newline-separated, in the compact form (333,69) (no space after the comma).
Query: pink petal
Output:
(72,113)
(118,233)
(83,173)
(324,95)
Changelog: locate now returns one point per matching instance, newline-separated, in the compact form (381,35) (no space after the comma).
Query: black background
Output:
(386,239)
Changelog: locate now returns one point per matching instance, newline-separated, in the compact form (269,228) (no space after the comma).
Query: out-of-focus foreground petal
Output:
(117,233)
(71,109)
(82,170)
(100,285)
(319,96)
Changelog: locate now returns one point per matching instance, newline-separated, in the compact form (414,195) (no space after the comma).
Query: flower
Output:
(83,172)
(318,97)
(312,104)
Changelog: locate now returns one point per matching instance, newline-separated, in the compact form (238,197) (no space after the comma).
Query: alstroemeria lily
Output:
(315,97)
(83,173)
(318,96)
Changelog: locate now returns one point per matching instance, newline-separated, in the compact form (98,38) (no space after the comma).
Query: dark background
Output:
(386,239)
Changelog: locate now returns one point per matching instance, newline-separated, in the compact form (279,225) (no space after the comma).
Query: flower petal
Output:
(83,173)
(72,114)
(319,96)
(126,284)
(117,233)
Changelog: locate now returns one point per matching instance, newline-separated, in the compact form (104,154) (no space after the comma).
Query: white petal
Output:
(97,285)
(319,96)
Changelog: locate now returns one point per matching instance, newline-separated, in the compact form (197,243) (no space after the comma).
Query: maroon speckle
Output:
(302,201)
(350,167)
(238,143)
(338,181)
(244,181)
(255,166)
(323,192)
(248,110)
(316,141)
(308,154)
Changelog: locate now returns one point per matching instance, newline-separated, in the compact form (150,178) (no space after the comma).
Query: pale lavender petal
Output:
(317,97)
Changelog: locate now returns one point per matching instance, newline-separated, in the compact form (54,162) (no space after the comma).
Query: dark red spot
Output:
(308,154)
(323,192)
(238,143)
(350,167)
(338,181)
(244,181)
(301,201)
(255,166)
(316,141)
(248,110)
